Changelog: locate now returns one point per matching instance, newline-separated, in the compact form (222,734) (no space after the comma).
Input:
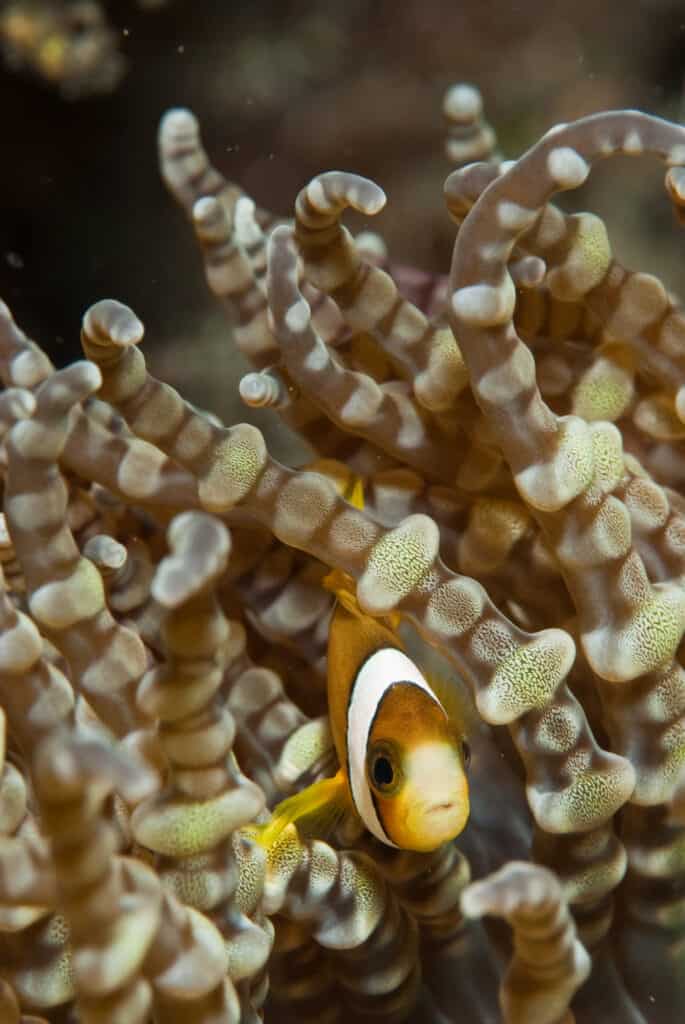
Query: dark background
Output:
(283,90)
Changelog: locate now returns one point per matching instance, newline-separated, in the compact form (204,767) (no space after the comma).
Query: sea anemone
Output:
(514,431)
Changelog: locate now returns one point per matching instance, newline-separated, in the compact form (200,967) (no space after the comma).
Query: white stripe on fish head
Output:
(383,669)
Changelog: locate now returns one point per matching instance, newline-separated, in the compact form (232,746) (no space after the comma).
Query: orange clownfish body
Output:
(402,758)
(402,761)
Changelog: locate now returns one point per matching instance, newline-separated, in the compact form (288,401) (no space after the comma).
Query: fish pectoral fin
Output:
(355,494)
(315,811)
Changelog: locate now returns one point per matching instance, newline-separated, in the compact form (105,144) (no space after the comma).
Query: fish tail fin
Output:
(315,810)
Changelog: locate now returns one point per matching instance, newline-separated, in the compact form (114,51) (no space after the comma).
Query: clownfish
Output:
(402,760)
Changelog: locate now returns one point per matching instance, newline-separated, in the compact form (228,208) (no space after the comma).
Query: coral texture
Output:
(515,431)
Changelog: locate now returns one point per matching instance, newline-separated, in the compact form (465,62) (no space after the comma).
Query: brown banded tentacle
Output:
(218,457)
(549,963)
(617,308)
(517,678)
(267,389)
(65,592)
(430,885)
(36,696)
(566,470)
(27,882)
(72,779)
(232,280)
(185,166)
(384,414)
(370,937)
(233,247)
(127,932)
(133,470)
(190,823)
(22,363)
(367,296)
(469,136)
(268,721)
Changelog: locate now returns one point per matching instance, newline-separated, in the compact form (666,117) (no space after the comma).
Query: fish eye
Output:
(383,772)
(382,768)
(466,753)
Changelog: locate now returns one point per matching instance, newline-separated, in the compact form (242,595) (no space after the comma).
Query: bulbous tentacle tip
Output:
(15,404)
(111,323)
(177,126)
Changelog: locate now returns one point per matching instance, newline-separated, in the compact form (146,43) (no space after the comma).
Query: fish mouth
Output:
(448,805)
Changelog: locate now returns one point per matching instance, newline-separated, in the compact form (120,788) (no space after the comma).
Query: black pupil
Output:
(382,771)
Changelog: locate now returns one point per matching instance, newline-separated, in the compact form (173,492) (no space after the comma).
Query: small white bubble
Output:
(14,260)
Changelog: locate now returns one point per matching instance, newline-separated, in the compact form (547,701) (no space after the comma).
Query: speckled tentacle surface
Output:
(65,590)
(372,938)
(518,678)
(549,963)
(265,716)
(206,798)
(429,885)
(130,938)
(111,906)
(565,469)
(514,497)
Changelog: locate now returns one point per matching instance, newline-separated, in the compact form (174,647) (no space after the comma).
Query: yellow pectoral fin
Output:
(355,493)
(315,810)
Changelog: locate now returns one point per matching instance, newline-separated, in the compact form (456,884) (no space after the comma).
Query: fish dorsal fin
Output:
(348,484)
(344,588)
(315,811)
